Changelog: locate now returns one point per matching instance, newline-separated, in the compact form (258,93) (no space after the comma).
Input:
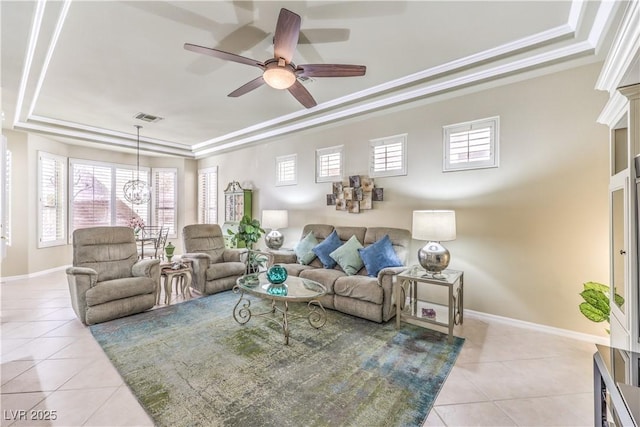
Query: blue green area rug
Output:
(191,364)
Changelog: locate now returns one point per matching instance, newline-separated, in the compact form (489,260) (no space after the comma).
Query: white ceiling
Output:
(80,71)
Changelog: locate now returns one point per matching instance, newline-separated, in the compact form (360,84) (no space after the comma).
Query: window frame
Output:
(60,200)
(328,151)
(493,124)
(387,142)
(114,191)
(280,179)
(173,231)
(204,203)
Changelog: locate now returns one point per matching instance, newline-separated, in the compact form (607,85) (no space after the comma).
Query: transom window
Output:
(388,156)
(472,145)
(329,164)
(287,170)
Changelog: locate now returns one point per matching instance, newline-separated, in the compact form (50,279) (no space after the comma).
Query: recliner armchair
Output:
(215,267)
(107,281)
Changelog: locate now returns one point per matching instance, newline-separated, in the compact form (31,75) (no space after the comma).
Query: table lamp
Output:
(274,219)
(434,227)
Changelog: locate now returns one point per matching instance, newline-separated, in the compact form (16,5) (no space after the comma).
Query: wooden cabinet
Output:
(237,202)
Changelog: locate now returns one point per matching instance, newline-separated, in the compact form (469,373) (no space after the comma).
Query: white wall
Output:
(529,232)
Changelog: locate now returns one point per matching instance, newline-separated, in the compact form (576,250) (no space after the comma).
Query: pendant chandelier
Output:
(135,191)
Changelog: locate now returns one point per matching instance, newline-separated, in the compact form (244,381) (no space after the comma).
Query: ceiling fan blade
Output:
(330,70)
(223,55)
(287,33)
(247,87)
(303,96)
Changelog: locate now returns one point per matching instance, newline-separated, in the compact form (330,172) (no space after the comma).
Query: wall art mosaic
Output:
(356,195)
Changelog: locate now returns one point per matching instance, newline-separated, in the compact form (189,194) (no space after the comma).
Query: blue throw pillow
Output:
(328,245)
(379,255)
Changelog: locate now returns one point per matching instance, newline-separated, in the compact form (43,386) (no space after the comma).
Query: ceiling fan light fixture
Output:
(279,75)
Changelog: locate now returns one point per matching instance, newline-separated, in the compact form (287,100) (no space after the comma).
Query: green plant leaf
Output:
(619,300)
(596,299)
(593,313)
(597,286)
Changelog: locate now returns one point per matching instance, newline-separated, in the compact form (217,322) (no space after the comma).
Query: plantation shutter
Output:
(388,156)
(91,196)
(164,191)
(52,180)
(208,196)
(329,164)
(471,145)
(286,168)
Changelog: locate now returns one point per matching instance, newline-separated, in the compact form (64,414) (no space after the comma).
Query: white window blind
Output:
(287,170)
(5,203)
(329,163)
(388,156)
(208,195)
(164,198)
(471,145)
(97,194)
(51,200)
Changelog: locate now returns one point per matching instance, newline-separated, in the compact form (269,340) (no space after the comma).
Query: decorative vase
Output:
(276,274)
(169,251)
(281,289)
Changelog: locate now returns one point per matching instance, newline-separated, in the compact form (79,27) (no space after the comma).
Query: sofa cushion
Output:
(304,248)
(324,249)
(225,269)
(347,256)
(379,255)
(326,277)
(359,287)
(294,269)
(111,290)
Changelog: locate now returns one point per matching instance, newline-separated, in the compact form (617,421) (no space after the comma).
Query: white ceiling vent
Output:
(147,117)
(305,80)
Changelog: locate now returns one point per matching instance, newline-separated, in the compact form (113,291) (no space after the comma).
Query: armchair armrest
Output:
(80,280)
(84,270)
(199,264)
(147,268)
(231,255)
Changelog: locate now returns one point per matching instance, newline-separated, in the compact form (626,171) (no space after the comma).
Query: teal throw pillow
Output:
(347,256)
(379,255)
(324,248)
(304,248)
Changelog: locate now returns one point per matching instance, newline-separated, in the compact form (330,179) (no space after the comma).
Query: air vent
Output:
(305,80)
(147,117)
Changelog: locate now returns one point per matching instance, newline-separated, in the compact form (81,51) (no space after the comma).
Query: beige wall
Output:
(529,232)
(23,256)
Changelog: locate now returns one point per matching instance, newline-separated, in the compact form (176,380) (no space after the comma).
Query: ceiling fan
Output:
(279,72)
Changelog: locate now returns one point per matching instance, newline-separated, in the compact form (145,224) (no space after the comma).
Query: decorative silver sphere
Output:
(434,258)
(274,239)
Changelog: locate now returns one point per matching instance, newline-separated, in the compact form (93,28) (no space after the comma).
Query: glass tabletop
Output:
(293,289)
(416,272)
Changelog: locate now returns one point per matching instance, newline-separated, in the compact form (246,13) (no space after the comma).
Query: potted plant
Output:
(596,302)
(249,232)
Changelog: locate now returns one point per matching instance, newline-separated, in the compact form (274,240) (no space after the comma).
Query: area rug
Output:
(191,364)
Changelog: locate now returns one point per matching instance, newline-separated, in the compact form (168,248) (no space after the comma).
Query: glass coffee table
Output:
(294,289)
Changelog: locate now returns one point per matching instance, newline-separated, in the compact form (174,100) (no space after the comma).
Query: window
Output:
(388,156)
(208,195)
(472,145)
(51,200)
(164,198)
(287,170)
(97,195)
(329,164)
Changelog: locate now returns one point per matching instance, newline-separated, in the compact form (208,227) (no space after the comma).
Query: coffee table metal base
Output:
(278,314)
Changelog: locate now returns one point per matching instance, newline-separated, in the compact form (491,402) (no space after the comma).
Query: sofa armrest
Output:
(233,254)
(284,257)
(80,280)
(199,264)
(147,268)
(386,280)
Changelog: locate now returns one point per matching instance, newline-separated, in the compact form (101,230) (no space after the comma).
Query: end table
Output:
(411,309)
(182,277)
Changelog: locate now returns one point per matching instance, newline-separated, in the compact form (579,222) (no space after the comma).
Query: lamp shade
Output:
(275,219)
(434,226)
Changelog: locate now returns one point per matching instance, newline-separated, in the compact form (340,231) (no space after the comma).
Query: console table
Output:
(616,375)
(411,309)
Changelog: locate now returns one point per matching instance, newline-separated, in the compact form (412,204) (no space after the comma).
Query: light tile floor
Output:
(52,367)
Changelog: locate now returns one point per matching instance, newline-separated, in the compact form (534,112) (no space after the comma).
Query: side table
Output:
(181,276)
(411,309)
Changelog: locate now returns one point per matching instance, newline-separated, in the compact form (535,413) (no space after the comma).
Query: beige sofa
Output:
(357,294)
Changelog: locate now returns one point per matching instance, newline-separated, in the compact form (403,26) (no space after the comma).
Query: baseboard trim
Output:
(32,275)
(538,327)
